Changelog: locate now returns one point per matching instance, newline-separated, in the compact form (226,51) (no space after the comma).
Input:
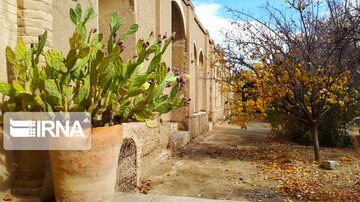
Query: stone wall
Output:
(152,144)
(199,124)
(217,116)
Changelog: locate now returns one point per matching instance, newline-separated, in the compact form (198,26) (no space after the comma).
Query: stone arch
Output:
(179,12)
(201,82)
(196,59)
(195,54)
(179,56)
(201,58)
(179,44)
(126,177)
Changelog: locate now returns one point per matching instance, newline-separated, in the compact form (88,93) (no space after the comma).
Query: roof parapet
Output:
(191,5)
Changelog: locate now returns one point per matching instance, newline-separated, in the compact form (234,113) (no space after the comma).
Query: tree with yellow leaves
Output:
(302,61)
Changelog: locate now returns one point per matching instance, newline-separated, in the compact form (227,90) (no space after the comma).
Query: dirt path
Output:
(208,167)
(234,164)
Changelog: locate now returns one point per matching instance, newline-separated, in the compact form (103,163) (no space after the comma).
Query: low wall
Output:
(217,115)
(199,124)
(152,144)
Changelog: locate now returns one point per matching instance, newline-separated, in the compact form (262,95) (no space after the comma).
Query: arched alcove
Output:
(195,62)
(179,57)
(201,83)
(177,21)
(126,177)
(195,55)
(179,44)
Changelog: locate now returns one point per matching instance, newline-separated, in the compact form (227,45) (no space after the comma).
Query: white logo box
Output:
(47,131)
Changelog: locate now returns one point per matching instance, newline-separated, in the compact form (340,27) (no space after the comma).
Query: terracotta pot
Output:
(30,164)
(31,170)
(88,175)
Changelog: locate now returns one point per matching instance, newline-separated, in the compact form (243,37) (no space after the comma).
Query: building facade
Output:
(192,51)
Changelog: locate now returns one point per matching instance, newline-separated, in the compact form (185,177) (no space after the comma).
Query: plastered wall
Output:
(62,27)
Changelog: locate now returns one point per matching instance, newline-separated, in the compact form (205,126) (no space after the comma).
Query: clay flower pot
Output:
(88,175)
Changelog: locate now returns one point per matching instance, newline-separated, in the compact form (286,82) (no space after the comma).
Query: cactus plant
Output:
(92,78)
(24,92)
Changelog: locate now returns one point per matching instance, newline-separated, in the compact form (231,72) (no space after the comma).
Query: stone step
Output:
(179,139)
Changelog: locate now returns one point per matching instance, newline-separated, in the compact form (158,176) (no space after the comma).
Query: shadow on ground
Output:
(217,165)
(235,164)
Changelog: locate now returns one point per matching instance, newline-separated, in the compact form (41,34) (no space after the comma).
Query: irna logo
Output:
(29,128)
(47,131)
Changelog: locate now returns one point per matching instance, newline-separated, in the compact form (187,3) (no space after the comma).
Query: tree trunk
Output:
(314,136)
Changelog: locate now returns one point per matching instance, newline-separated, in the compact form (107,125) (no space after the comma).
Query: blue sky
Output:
(246,5)
(214,17)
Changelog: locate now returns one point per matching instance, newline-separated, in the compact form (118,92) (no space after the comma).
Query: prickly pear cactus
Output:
(95,79)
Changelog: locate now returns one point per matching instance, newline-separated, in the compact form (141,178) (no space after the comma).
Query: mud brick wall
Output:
(152,144)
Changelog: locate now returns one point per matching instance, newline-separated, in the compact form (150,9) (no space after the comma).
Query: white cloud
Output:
(210,17)
(355,2)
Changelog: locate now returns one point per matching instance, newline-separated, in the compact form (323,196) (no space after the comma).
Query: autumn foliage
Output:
(302,65)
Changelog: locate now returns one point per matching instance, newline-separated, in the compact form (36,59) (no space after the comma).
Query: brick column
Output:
(33,177)
(8,30)
(34,17)
(8,36)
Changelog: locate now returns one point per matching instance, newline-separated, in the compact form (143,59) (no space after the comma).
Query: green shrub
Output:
(285,127)
(332,131)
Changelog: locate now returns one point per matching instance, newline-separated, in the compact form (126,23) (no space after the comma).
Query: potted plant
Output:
(23,94)
(95,78)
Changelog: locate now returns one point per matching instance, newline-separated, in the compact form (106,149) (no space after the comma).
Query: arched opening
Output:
(179,44)
(195,56)
(201,59)
(126,176)
(200,83)
(179,58)
(195,59)
(177,21)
